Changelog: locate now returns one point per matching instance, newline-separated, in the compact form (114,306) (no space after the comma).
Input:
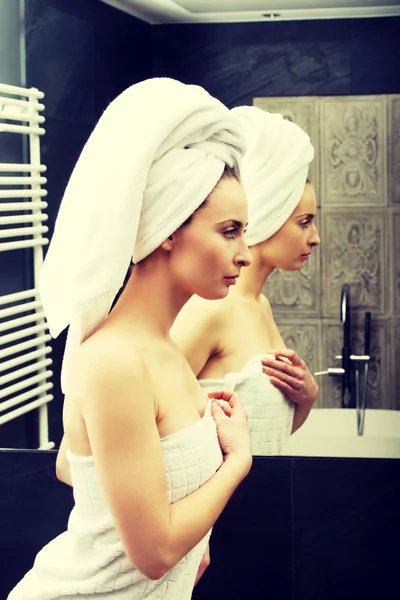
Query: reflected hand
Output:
(205,562)
(290,374)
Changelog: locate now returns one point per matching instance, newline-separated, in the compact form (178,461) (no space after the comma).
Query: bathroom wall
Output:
(318,73)
(81,54)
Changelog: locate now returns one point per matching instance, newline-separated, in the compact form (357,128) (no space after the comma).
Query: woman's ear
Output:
(168,243)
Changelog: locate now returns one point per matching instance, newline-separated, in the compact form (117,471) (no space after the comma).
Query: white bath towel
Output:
(156,153)
(274,169)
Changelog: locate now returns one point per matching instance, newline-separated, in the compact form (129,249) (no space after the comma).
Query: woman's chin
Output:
(215,294)
(295,266)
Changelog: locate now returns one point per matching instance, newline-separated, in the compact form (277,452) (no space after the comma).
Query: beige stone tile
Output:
(394,148)
(394,262)
(354,251)
(353,150)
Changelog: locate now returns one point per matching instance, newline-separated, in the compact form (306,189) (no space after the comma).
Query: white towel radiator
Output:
(24,351)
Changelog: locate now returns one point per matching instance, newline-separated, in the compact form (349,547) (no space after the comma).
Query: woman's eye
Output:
(305,224)
(230,233)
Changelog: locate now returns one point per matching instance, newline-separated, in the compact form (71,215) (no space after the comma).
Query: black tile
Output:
(122,54)
(236,62)
(83,53)
(375,51)
(60,60)
(34,508)
(251,541)
(346,528)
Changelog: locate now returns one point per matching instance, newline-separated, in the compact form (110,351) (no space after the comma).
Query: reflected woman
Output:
(234,343)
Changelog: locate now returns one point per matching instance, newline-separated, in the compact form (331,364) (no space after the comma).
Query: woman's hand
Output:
(290,374)
(205,562)
(232,426)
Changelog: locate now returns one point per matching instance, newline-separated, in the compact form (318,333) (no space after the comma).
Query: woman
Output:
(234,343)
(143,443)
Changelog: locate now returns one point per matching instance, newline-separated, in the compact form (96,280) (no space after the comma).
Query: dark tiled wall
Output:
(81,54)
(237,61)
(295,529)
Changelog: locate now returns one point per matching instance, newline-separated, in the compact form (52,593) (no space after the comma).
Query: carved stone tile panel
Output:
(394,269)
(303,336)
(394,362)
(353,150)
(394,148)
(378,392)
(304,112)
(354,252)
(296,292)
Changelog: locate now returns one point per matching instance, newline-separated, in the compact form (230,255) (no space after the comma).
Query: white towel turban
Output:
(273,171)
(156,153)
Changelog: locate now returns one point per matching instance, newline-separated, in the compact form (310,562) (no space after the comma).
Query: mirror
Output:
(337,80)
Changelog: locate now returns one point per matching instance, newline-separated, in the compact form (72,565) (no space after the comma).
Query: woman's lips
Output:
(231,280)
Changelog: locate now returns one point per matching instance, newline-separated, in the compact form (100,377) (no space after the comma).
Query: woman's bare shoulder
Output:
(108,357)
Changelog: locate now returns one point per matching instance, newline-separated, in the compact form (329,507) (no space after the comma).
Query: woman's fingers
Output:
(230,398)
(282,367)
(285,388)
(217,413)
(288,354)
(295,382)
(226,407)
(220,395)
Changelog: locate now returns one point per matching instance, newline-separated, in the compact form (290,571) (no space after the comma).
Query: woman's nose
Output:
(243,257)
(315,239)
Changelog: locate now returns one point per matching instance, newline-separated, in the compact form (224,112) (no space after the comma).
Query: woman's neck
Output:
(252,278)
(151,299)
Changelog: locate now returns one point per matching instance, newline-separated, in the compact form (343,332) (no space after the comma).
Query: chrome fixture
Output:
(345,318)
(354,369)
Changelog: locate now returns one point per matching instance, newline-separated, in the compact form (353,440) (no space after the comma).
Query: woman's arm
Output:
(198,331)
(289,373)
(126,447)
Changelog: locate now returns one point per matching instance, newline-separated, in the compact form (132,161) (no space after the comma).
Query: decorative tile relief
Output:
(378,395)
(394,362)
(353,252)
(304,112)
(305,338)
(394,148)
(296,290)
(394,270)
(353,150)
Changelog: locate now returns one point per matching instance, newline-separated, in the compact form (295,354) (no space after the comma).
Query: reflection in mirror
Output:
(353,174)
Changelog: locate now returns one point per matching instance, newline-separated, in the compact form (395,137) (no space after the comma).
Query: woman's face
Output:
(208,253)
(292,244)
